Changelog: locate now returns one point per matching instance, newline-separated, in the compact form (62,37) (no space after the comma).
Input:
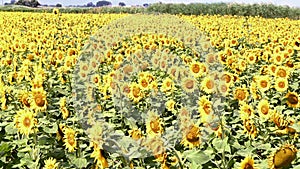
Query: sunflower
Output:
(136,93)
(144,83)
(248,163)
(198,69)
(189,85)
(70,139)
(205,109)
(211,58)
(251,59)
(282,71)
(38,100)
(168,85)
(25,121)
(263,82)
(283,157)
(292,99)
(191,136)
(135,133)
(170,105)
(50,164)
(227,78)
(154,125)
(223,88)
(208,85)
(241,93)
(272,69)
(97,154)
(246,111)
(250,128)
(264,109)
(281,84)
(277,58)
(24,97)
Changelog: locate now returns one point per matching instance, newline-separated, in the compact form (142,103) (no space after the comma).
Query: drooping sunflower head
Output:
(191,136)
(250,128)
(292,99)
(154,124)
(205,109)
(24,97)
(283,157)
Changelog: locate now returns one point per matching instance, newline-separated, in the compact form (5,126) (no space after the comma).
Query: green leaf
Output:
(80,162)
(197,157)
(10,129)
(4,148)
(221,145)
(51,130)
(26,149)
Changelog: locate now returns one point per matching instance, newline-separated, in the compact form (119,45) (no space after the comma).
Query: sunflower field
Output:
(148,91)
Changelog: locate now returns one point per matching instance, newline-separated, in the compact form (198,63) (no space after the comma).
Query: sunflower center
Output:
(264,84)
(281,84)
(265,109)
(71,140)
(155,126)
(223,88)
(192,135)
(281,73)
(144,83)
(136,92)
(196,68)
(27,122)
(226,78)
(293,99)
(25,101)
(248,166)
(278,58)
(210,84)
(189,84)
(96,79)
(126,89)
(207,108)
(240,94)
(39,100)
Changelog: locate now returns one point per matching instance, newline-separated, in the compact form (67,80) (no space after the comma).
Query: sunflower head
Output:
(283,157)
(292,99)
(247,163)
(191,136)
(50,164)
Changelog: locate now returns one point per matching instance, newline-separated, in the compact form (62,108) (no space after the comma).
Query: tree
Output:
(103,3)
(145,5)
(30,3)
(90,4)
(58,5)
(122,4)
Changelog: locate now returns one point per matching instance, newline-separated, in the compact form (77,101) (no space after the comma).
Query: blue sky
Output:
(292,3)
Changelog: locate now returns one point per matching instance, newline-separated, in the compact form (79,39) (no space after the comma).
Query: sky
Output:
(291,3)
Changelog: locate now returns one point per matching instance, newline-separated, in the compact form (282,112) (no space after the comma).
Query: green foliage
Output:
(263,10)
